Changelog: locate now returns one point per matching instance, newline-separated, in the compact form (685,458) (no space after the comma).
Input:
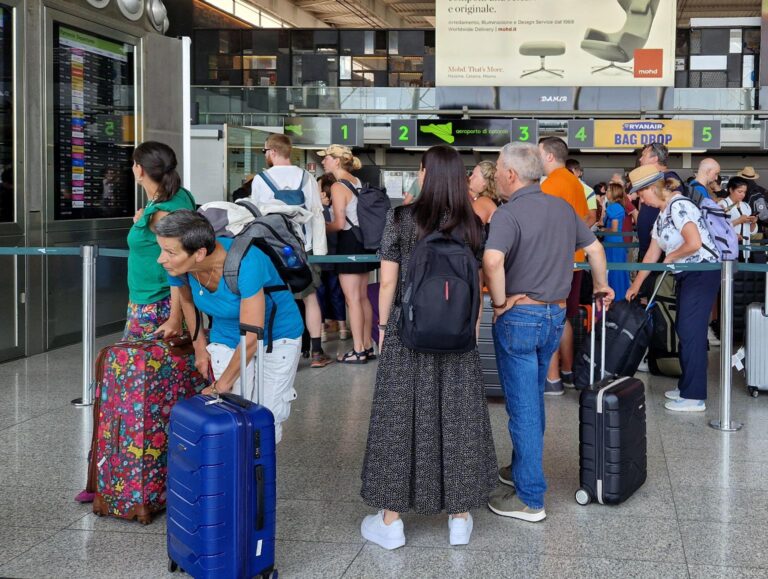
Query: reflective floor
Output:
(702,513)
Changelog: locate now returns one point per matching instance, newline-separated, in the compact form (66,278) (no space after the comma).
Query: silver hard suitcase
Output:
(757,345)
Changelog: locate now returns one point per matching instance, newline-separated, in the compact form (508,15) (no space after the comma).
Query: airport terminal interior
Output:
(615,83)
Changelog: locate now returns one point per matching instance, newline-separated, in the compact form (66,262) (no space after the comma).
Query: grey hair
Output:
(660,151)
(192,229)
(524,159)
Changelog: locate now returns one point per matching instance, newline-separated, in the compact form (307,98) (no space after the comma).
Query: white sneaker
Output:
(459,530)
(685,405)
(643,366)
(374,530)
(672,394)
(711,338)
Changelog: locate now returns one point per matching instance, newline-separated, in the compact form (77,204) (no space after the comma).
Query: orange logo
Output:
(649,62)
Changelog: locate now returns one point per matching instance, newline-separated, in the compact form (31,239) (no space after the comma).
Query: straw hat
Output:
(338,151)
(749,172)
(644,176)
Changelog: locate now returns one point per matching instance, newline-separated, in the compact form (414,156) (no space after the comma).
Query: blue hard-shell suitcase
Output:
(222,484)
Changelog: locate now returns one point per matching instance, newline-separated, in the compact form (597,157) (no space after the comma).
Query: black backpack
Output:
(373,203)
(440,297)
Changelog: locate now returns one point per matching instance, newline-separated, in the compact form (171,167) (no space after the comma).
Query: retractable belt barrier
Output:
(90,253)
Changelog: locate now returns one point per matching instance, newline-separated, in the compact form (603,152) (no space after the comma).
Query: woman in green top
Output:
(154,309)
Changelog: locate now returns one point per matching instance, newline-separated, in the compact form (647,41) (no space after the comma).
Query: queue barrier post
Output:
(725,424)
(88,253)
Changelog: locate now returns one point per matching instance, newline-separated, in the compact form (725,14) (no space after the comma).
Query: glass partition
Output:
(7,198)
(244,155)
(264,106)
(93,124)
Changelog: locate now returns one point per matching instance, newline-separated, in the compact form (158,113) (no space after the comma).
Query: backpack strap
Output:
(235,254)
(350,186)
(697,196)
(303,180)
(268,180)
(268,291)
(714,253)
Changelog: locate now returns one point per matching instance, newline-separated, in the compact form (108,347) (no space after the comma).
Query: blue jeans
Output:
(525,338)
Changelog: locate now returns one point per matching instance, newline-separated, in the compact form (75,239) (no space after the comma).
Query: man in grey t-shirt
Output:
(528,265)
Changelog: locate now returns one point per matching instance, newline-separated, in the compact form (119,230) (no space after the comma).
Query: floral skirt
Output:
(142,320)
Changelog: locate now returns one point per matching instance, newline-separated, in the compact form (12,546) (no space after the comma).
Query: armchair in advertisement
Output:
(620,46)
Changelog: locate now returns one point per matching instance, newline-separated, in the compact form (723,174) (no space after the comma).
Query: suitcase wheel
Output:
(271,575)
(172,566)
(754,392)
(583,497)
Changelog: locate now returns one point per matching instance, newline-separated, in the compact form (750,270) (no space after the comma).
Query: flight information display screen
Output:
(6,115)
(93,120)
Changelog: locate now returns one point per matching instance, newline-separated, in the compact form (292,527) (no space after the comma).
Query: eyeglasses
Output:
(264,151)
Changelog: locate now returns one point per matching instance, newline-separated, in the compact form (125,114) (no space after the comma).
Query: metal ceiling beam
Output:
(290,12)
(414,12)
(376,11)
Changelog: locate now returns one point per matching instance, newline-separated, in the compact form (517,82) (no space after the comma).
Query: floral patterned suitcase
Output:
(137,385)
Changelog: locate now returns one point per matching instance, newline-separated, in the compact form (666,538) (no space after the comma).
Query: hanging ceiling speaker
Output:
(131,9)
(157,14)
(98,3)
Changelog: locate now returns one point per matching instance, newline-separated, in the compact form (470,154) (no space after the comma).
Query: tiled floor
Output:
(702,513)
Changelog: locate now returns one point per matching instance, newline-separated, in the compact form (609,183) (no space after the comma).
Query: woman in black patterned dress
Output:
(429,447)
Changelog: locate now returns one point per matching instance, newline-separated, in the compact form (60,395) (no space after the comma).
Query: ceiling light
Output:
(131,9)
(98,3)
(157,14)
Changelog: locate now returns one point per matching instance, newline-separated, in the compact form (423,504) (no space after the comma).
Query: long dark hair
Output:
(444,203)
(159,162)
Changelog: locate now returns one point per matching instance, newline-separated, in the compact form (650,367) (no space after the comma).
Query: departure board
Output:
(6,115)
(93,123)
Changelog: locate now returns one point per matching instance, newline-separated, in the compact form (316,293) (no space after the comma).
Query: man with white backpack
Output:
(284,181)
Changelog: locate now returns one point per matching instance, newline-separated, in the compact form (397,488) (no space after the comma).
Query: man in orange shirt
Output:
(560,182)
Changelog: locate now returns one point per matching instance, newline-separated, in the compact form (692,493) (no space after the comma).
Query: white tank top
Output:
(351,209)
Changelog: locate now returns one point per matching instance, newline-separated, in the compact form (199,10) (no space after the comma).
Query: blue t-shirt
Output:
(256,272)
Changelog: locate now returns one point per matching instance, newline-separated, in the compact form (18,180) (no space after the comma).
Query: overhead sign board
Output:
(308,130)
(564,43)
(347,132)
(630,134)
(465,133)
(323,131)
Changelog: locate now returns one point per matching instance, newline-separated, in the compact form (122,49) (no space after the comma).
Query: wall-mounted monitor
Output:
(93,124)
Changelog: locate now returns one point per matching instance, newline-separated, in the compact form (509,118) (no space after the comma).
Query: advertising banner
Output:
(555,42)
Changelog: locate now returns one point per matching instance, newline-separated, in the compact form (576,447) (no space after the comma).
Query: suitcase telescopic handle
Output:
(601,297)
(245,329)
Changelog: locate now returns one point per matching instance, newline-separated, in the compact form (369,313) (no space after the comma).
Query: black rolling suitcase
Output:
(612,439)
(488,351)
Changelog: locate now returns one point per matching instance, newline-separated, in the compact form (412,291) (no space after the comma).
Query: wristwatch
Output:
(382,327)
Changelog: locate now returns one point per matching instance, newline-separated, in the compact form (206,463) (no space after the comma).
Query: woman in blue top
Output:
(613,220)
(194,259)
